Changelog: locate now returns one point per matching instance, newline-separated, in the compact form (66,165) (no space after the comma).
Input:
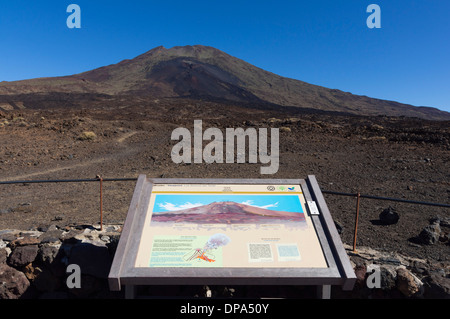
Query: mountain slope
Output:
(205,72)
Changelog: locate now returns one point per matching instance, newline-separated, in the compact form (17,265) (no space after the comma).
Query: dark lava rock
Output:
(13,282)
(430,234)
(388,278)
(389,216)
(23,255)
(441,221)
(406,283)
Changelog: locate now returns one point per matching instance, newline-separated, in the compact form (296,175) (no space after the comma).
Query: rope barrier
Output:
(386,198)
(67,181)
(125,179)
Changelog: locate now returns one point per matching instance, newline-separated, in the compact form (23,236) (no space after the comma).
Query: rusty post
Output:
(358,196)
(101,201)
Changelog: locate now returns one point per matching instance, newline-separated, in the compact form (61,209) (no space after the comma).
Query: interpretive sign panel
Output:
(214,225)
(225,231)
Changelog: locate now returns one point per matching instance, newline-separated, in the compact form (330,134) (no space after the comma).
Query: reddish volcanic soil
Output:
(386,156)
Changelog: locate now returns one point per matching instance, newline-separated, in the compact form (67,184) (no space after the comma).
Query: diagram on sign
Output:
(200,255)
(206,253)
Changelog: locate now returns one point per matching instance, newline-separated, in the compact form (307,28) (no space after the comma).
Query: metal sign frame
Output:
(123,272)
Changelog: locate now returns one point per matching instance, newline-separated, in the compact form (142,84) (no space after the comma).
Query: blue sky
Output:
(323,42)
(286,203)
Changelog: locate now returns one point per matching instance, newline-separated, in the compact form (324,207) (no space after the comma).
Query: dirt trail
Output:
(53,170)
(126,136)
(85,163)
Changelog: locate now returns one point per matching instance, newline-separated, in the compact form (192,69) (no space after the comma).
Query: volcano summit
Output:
(200,72)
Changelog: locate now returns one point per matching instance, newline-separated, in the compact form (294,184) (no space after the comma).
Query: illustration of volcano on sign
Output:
(232,212)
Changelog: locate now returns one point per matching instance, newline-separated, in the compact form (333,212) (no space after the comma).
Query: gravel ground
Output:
(393,157)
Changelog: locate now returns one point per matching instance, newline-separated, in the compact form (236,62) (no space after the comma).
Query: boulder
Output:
(406,283)
(51,236)
(445,222)
(69,236)
(442,221)
(360,272)
(52,257)
(13,283)
(48,253)
(389,216)
(388,277)
(430,234)
(9,234)
(23,255)
(435,220)
(24,241)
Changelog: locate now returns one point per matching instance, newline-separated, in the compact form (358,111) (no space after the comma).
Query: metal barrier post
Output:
(101,201)
(358,196)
